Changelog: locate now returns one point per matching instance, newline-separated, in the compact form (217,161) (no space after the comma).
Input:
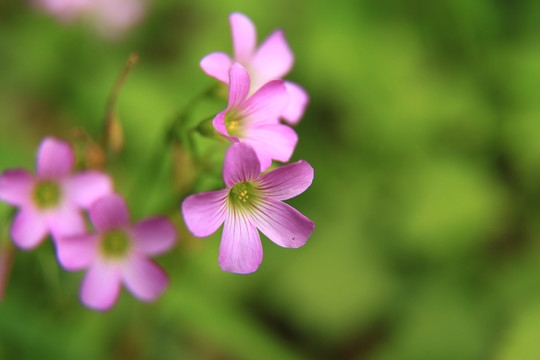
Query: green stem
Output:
(175,134)
(111,125)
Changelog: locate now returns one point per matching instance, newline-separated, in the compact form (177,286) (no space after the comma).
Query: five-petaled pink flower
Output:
(51,201)
(254,120)
(271,61)
(251,202)
(118,253)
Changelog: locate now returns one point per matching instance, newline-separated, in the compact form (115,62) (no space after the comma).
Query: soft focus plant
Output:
(73,201)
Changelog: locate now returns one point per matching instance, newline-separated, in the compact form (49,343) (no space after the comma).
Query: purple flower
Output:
(50,201)
(254,120)
(118,253)
(65,10)
(251,202)
(271,61)
(111,17)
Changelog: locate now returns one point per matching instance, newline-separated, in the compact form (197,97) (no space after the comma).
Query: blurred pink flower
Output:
(251,202)
(271,61)
(65,10)
(254,120)
(118,253)
(50,202)
(111,17)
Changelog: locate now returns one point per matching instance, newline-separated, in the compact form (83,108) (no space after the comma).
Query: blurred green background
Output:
(423,129)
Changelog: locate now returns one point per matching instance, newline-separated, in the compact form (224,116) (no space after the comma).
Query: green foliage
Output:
(423,132)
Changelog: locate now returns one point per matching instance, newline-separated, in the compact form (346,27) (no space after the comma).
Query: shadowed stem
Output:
(112,139)
(7,251)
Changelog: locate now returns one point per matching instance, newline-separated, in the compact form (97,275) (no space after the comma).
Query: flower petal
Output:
(86,187)
(298,101)
(282,223)
(29,229)
(219,125)
(239,85)
(240,250)
(109,212)
(66,221)
(273,60)
(271,142)
(244,36)
(55,159)
(287,181)
(16,186)
(267,104)
(101,286)
(144,278)
(154,236)
(241,164)
(76,252)
(217,65)
(204,213)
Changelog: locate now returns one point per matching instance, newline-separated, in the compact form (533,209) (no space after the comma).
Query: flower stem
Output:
(7,251)
(112,138)
(176,135)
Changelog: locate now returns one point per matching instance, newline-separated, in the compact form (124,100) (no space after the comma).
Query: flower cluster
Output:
(89,224)
(52,202)
(258,99)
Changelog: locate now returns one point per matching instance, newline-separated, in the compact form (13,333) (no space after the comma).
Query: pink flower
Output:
(118,253)
(254,120)
(251,202)
(50,202)
(111,17)
(65,10)
(271,61)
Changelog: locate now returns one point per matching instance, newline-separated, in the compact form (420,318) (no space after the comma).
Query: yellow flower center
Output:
(115,244)
(47,194)
(233,123)
(244,194)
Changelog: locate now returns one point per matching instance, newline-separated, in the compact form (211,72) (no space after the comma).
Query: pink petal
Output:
(298,101)
(16,187)
(241,164)
(282,223)
(217,65)
(154,236)
(271,142)
(219,125)
(55,159)
(144,278)
(287,181)
(267,104)
(204,213)
(273,60)
(239,85)
(109,212)
(101,286)
(29,229)
(76,252)
(244,37)
(66,221)
(240,250)
(86,187)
